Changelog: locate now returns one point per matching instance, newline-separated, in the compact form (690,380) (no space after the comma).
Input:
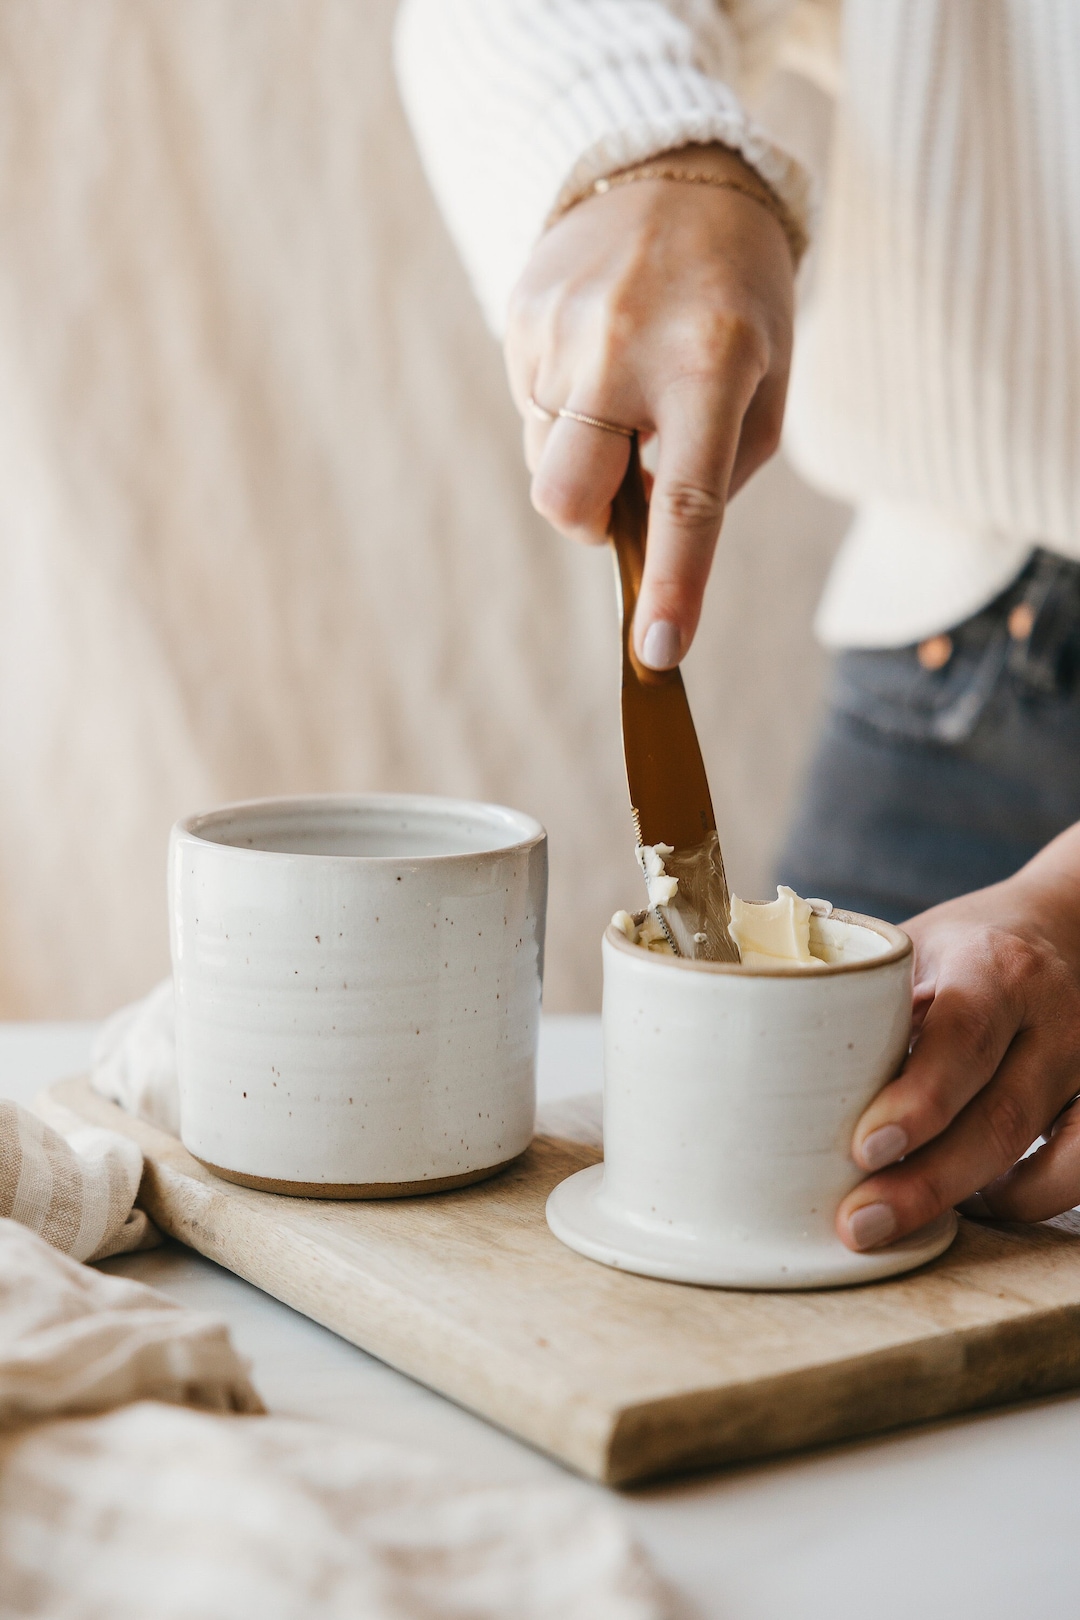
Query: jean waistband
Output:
(1027,642)
(1042,612)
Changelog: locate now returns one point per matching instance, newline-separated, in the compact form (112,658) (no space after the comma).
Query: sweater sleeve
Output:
(519,105)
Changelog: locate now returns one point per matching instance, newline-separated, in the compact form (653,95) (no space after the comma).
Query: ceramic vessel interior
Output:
(730,1097)
(357,989)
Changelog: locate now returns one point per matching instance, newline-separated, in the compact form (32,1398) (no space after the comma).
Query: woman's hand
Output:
(664,307)
(996,1063)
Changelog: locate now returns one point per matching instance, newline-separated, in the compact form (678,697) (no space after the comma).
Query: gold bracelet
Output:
(762,192)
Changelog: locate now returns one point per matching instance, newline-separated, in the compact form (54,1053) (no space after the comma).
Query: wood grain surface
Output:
(627,1378)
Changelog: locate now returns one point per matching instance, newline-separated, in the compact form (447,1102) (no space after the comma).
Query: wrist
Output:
(1045,896)
(714,159)
(713,165)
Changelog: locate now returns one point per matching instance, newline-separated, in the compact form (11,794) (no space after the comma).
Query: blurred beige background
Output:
(264,525)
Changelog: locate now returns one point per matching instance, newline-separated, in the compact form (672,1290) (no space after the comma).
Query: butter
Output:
(776,932)
(768,934)
(662,887)
(662,890)
(647,932)
(623,921)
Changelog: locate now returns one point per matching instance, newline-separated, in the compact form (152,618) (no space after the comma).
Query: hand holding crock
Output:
(664,307)
(995,1064)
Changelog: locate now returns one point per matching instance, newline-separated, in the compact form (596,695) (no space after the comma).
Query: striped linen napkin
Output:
(76,1190)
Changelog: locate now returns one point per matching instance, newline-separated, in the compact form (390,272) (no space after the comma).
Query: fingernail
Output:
(871,1225)
(661,645)
(883,1146)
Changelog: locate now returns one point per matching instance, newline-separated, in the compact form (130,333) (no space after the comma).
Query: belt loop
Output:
(1043,621)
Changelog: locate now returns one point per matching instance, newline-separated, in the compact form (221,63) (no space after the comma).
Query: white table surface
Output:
(971,1519)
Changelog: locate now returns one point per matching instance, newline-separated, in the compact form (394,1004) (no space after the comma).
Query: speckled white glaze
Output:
(730,1097)
(357,986)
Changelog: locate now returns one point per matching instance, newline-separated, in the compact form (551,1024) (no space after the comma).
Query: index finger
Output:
(698,425)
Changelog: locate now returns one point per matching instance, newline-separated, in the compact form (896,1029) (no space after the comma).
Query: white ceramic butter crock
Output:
(730,1097)
(357,990)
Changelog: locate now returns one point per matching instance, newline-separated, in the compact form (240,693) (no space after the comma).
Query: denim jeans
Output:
(929,783)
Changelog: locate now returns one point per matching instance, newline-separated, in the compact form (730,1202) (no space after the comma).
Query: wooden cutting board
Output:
(626,1378)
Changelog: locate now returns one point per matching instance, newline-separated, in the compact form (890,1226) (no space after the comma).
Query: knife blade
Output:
(669,790)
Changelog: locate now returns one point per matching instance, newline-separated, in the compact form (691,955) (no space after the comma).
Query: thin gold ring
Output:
(579,416)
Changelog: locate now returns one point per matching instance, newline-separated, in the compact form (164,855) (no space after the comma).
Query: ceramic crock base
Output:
(581,1222)
(362,1189)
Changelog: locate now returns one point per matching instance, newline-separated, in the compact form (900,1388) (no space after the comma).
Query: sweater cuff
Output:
(669,108)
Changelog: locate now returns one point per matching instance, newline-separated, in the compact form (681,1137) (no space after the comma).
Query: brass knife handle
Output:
(627,530)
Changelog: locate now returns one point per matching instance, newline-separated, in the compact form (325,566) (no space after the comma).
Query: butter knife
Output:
(665,773)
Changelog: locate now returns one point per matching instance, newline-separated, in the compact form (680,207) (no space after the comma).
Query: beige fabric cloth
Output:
(73,1341)
(154,1510)
(182,1516)
(264,523)
(133,1061)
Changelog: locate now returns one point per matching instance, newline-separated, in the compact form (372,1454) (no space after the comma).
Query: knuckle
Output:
(1028,974)
(916,1191)
(973,1035)
(933,1116)
(620,316)
(721,339)
(1009,1125)
(1019,961)
(1034,983)
(691,506)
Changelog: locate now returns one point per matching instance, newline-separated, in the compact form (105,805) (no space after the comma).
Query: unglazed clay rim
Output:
(355,1191)
(900,942)
(532,831)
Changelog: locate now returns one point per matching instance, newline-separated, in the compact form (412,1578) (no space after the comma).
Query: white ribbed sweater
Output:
(936,382)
